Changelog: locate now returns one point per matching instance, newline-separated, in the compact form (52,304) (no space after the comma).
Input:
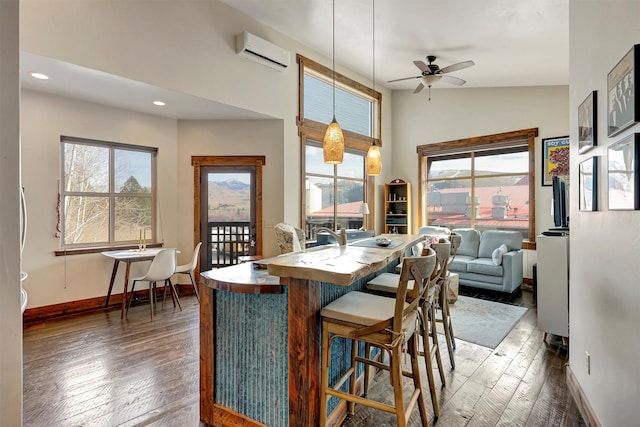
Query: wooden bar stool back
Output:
(442,298)
(386,323)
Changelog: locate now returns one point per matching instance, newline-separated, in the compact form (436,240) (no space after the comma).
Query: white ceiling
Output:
(78,82)
(512,42)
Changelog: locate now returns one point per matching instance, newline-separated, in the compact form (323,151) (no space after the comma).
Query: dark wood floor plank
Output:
(96,370)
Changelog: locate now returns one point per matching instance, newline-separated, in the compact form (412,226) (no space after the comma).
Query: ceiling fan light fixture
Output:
(333,144)
(373,161)
(430,80)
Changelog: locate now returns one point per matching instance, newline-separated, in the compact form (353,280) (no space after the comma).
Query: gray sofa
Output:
(483,262)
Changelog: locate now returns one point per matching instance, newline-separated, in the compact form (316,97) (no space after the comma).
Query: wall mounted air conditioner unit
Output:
(253,47)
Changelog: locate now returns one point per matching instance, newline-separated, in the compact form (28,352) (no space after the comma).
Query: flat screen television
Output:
(560,203)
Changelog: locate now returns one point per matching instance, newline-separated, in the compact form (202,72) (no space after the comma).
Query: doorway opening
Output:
(227,208)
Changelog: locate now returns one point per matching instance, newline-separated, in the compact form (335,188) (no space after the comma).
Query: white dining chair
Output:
(190,268)
(162,268)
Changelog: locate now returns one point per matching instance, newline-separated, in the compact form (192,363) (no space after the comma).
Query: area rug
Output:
(483,322)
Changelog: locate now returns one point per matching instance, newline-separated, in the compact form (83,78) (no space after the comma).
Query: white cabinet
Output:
(553,284)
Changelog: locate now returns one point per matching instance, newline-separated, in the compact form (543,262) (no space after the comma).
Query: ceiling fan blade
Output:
(423,67)
(404,78)
(453,80)
(456,67)
(418,88)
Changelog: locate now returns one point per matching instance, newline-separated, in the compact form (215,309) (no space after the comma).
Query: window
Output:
(333,193)
(107,194)
(483,183)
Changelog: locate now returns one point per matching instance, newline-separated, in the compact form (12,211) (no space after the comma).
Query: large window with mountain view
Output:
(333,194)
(107,193)
(485,184)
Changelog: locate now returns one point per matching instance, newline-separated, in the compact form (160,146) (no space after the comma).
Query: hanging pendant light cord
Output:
(373,53)
(334,58)
(373,43)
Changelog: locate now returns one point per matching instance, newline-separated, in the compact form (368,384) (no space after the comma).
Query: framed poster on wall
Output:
(622,173)
(587,123)
(622,92)
(555,158)
(588,184)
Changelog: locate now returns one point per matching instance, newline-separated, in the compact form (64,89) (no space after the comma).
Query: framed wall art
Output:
(623,179)
(587,123)
(588,184)
(622,92)
(555,158)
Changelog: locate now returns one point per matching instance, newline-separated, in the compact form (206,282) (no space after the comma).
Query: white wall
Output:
(45,117)
(188,46)
(198,59)
(464,113)
(234,138)
(10,317)
(604,297)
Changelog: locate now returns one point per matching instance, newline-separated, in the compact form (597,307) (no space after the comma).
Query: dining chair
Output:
(383,322)
(189,269)
(161,269)
(289,238)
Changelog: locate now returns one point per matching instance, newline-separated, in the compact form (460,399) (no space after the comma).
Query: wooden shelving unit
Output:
(397,207)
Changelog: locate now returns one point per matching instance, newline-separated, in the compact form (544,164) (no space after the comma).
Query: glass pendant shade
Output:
(430,80)
(374,161)
(333,143)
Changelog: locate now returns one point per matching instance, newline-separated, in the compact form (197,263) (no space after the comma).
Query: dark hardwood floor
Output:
(94,370)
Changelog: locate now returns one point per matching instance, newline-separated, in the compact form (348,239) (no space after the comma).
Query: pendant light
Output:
(374,158)
(333,143)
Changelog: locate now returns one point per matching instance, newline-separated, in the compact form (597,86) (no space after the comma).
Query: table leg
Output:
(124,292)
(113,278)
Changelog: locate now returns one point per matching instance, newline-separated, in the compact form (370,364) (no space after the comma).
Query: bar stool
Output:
(443,299)
(386,323)
(387,284)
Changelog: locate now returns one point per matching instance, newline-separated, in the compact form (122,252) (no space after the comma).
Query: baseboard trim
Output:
(588,415)
(45,313)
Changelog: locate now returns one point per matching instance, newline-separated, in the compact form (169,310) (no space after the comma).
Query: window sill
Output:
(98,249)
(529,245)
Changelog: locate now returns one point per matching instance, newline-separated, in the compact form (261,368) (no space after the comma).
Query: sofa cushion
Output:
(496,256)
(492,239)
(485,266)
(470,242)
(460,263)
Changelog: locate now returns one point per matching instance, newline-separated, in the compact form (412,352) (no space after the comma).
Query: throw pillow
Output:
(496,256)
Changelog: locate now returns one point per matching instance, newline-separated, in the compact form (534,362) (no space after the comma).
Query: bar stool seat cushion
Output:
(388,283)
(360,308)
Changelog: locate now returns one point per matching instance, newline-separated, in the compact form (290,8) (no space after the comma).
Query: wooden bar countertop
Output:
(342,265)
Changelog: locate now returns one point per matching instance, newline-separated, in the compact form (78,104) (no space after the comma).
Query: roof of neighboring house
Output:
(344,209)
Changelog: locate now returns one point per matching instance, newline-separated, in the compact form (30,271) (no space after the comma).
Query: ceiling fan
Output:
(431,73)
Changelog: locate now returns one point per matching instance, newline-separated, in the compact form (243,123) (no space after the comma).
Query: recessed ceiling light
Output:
(159,103)
(39,76)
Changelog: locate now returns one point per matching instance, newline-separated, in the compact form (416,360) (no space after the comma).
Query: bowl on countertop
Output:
(383,241)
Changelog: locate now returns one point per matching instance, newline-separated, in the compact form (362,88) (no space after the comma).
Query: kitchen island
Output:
(260,331)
